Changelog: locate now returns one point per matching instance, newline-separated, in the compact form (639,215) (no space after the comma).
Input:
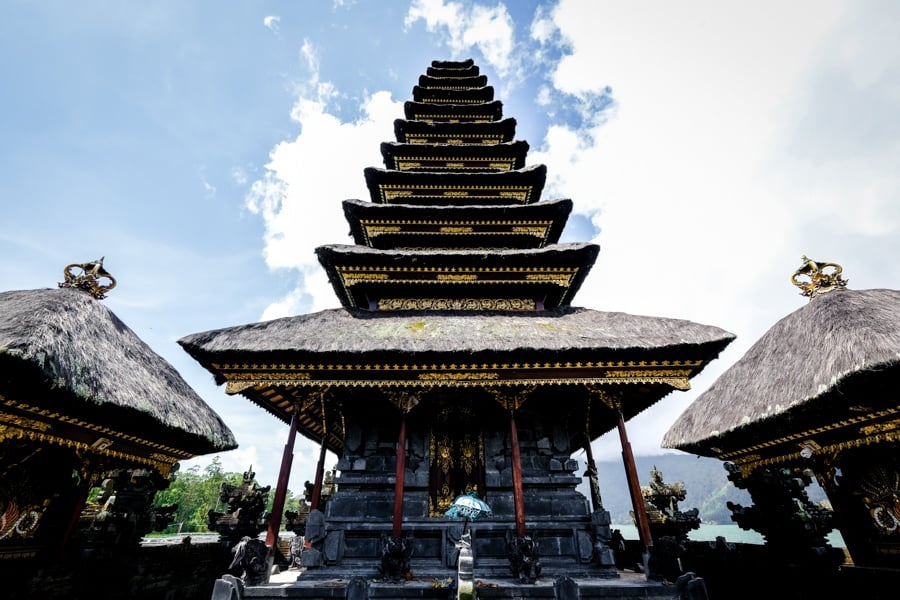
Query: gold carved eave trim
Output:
(240,378)
(375,228)
(454,138)
(411,163)
(877,427)
(394,191)
(238,387)
(352,275)
(454,100)
(459,88)
(476,304)
(50,427)
(453,118)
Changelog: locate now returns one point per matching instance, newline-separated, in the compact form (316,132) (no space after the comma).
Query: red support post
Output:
(634,486)
(281,487)
(398,484)
(518,493)
(320,475)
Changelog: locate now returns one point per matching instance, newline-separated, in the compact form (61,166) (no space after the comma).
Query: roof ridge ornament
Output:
(86,277)
(820,281)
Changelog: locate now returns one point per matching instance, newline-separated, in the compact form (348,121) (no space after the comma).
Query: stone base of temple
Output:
(626,586)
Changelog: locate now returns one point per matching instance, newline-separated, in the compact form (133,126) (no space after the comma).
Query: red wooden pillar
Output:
(518,494)
(320,475)
(398,484)
(287,458)
(634,486)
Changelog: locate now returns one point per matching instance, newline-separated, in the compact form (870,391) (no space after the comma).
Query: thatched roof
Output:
(460,96)
(505,156)
(469,81)
(426,111)
(423,132)
(521,186)
(806,357)
(62,348)
(364,277)
(359,334)
(404,226)
(275,362)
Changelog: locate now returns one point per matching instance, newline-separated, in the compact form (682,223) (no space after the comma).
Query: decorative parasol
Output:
(469,506)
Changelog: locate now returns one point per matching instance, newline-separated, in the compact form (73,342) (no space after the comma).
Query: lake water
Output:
(731,533)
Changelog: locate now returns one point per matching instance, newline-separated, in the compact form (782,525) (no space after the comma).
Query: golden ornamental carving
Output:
(454,101)
(510,304)
(374,231)
(455,118)
(453,138)
(23,422)
(512,398)
(456,277)
(612,399)
(12,432)
(442,454)
(391,191)
(89,277)
(354,278)
(23,428)
(878,428)
(403,400)
(450,164)
(444,500)
(821,277)
(468,454)
(458,376)
(880,489)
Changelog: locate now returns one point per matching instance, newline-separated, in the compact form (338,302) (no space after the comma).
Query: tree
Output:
(196,493)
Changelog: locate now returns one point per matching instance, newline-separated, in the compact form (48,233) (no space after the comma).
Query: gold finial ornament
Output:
(87,277)
(822,277)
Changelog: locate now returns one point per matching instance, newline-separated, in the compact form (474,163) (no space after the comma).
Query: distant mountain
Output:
(705,480)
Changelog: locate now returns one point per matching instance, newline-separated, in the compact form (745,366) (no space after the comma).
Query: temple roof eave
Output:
(806,359)
(81,377)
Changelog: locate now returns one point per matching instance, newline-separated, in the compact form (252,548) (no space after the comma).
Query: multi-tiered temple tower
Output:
(457,362)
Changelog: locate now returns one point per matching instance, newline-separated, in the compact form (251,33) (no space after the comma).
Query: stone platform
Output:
(291,584)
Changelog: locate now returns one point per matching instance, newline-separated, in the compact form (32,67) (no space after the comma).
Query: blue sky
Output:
(204,147)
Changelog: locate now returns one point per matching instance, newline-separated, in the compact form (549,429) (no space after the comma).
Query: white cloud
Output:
(272,22)
(724,158)
(239,175)
(490,30)
(300,195)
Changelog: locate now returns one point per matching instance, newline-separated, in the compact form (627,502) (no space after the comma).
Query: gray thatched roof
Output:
(363,332)
(62,343)
(804,356)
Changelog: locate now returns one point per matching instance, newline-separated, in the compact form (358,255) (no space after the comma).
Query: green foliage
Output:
(196,491)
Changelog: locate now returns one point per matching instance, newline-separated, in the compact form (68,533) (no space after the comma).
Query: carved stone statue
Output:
(246,513)
(523,557)
(250,557)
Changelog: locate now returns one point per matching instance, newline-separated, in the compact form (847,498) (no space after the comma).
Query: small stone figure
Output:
(523,558)
(395,554)
(250,556)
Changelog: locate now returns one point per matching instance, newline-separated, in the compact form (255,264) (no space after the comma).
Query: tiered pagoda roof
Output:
(456,278)
(505,156)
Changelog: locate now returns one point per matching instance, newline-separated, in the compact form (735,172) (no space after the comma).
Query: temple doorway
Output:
(456,454)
